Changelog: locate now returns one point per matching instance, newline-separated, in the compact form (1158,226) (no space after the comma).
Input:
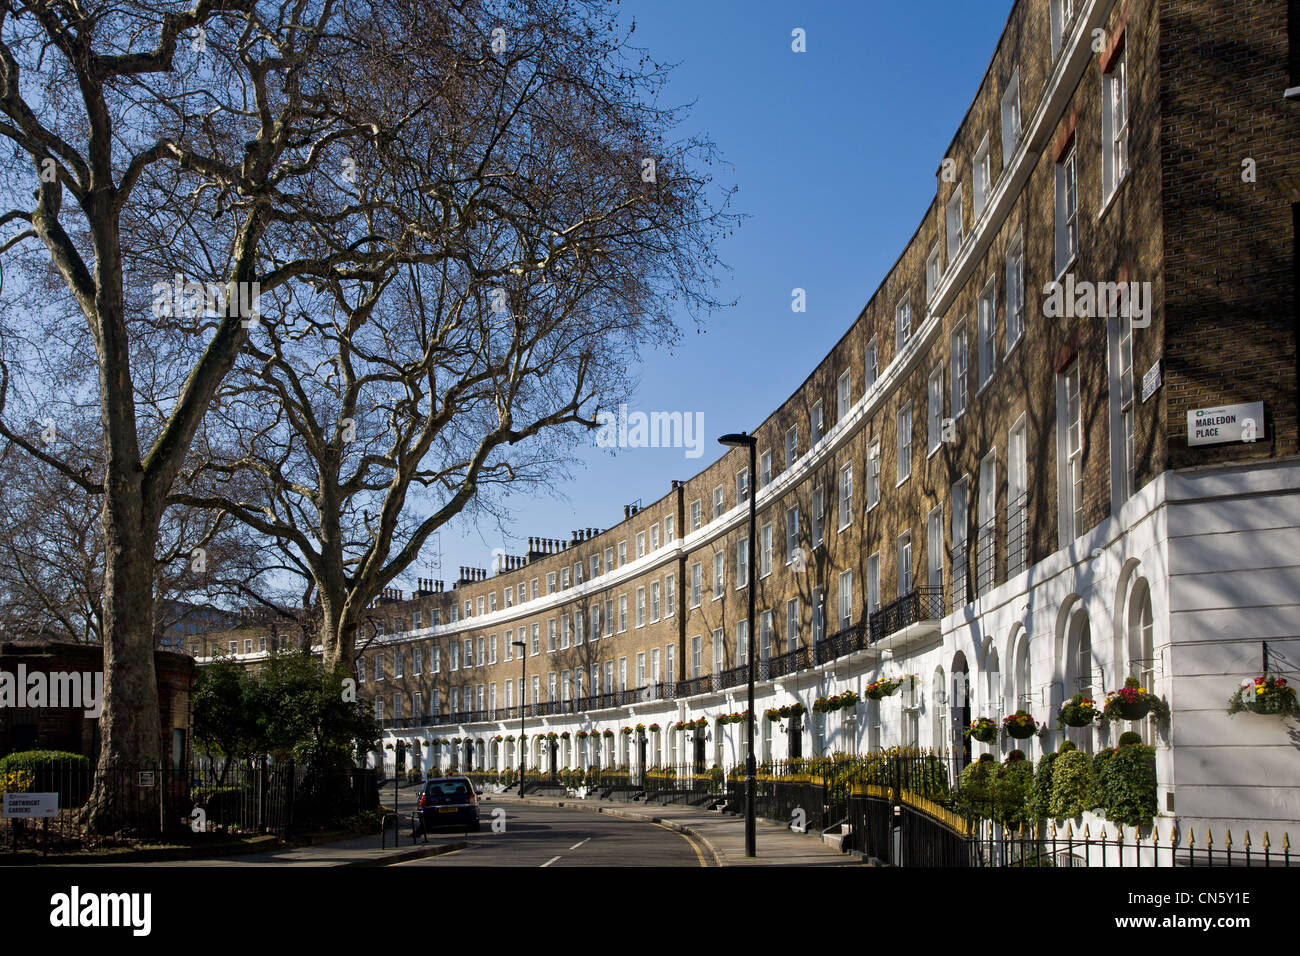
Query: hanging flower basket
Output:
(627,731)
(1019,725)
(564,736)
(880,689)
(609,733)
(1262,695)
(984,729)
(582,735)
(1133,702)
(1078,711)
(792,710)
(654,728)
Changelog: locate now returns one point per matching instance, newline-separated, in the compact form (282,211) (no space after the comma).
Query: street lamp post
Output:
(743,440)
(523,676)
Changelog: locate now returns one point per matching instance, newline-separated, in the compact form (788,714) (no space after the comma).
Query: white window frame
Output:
(902,322)
(959,361)
(904,436)
(765,549)
(1114,126)
(871,364)
(906,564)
(987,312)
(843,395)
(1067,210)
(697,514)
(1069,443)
(719,574)
(845,496)
(791,533)
(719,504)
(953,224)
(697,584)
(1015,277)
(934,389)
(933,271)
(1012,119)
(981,178)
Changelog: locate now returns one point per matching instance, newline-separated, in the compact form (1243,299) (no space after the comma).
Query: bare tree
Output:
(551,240)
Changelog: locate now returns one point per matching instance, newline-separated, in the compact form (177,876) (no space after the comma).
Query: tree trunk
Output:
(130,728)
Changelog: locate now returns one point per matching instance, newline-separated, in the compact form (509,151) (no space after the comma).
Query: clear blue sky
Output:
(835,152)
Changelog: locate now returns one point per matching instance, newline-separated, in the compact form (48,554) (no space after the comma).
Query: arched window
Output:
(993,685)
(1023,689)
(939,714)
(1079,671)
(1141,646)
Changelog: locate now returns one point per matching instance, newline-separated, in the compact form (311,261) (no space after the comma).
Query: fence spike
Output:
(1247,840)
(1191,838)
(1069,829)
(1265,839)
(1209,837)
(1229,840)
(1286,840)
(1085,832)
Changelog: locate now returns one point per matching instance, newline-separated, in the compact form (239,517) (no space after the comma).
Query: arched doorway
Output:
(960,714)
(1079,671)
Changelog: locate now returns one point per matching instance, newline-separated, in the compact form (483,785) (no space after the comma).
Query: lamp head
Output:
(738,440)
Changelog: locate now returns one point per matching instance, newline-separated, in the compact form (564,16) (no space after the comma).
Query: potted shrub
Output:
(1132,702)
(1078,711)
(983,729)
(1074,785)
(880,689)
(1019,725)
(1262,695)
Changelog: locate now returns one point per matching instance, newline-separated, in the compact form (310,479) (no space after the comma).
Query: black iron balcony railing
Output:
(1017,535)
(788,663)
(960,577)
(920,604)
(986,558)
(696,685)
(842,643)
(732,677)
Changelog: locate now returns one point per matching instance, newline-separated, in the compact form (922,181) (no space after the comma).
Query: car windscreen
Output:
(446,791)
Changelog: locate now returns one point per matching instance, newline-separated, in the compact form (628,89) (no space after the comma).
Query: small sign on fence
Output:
(146,778)
(31,805)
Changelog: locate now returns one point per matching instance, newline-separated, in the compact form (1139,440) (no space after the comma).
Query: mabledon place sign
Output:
(1212,426)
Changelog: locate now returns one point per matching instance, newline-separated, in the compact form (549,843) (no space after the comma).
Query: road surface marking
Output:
(550,861)
(578,844)
(698,853)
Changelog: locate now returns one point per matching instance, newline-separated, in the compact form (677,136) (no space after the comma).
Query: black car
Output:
(447,803)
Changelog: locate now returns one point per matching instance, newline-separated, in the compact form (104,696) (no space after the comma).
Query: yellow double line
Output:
(699,854)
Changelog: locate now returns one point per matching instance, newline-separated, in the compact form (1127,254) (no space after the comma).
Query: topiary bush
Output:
(1040,794)
(1074,785)
(974,797)
(1129,737)
(52,771)
(1127,782)
(1012,787)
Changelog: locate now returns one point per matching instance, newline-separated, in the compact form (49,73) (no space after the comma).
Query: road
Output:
(557,836)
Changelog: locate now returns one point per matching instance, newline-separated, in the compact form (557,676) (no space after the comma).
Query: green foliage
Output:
(225,718)
(1074,785)
(43,760)
(993,791)
(1129,737)
(1066,747)
(221,804)
(49,771)
(1127,780)
(1040,794)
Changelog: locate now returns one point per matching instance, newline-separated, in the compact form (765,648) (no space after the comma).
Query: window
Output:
(670,529)
(1017,488)
(535,640)
(791,533)
(379,665)
(492,601)
(469,652)
(594,564)
(622,673)
(905,564)
(564,579)
(510,645)
(846,495)
(953,224)
(640,669)
(640,544)
(1070,442)
(550,685)
(622,613)
(670,595)
(564,631)
(379,708)
(1062,16)
(791,445)
(478,606)
(510,597)
(765,469)
(765,636)
(1067,212)
(609,618)
(435,662)
(873,583)
(765,550)
(478,652)
(1114,125)
(622,553)
(248,645)
(742,486)
(550,583)
(399,663)
(742,642)
(792,624)
(717,502)
(873,474)
(843,387)
(697,583)
(902,323)
(537,688)
(361,670)
(418,708)
(640,607)
(417,619)
(742,563)
(933,272)
(656,601)
(818,516)
(981,178)
(872,365)
(719,653)
(986,540)
(654,537)
(905,442)
(845,596)
(719,574)
(935,418)
(1015,291)
(819,615)
(697,514)
(816,424)
(1011,119)
(960,363)
(988,325)
(697,661)
(609,558)
(934,549)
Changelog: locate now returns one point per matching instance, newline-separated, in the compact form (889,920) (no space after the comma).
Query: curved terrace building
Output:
(1005,490)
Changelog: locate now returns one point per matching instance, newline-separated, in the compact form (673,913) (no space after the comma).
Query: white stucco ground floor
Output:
(1184,588)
